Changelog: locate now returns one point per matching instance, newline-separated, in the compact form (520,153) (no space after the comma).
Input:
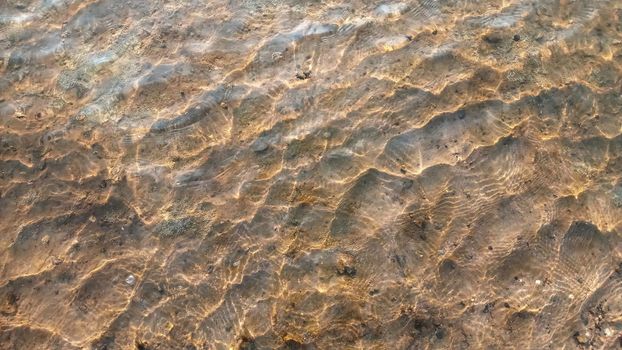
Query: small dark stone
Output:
(349,271)
(489,247)
(447,266)
(141,346)
(440,333)
(434,32)
(516,37)
(304,75)
(506,305)
(488,307)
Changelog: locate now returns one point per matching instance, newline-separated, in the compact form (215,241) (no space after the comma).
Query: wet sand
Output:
(263,174)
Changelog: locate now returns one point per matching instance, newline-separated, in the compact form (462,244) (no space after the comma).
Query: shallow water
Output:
(262,174)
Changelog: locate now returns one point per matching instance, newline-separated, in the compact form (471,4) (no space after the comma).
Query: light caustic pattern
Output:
(261,174)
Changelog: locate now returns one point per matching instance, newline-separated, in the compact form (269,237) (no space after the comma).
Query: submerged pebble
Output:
(130,280)
(259,145)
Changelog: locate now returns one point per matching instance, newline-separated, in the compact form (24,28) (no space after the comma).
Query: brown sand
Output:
(261,174)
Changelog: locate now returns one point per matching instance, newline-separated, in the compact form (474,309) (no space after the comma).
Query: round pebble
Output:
(259,146)
(130,280)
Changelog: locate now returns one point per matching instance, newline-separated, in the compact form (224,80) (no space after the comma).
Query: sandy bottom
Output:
(263,174)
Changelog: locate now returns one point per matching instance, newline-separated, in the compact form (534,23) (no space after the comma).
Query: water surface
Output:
(261,174)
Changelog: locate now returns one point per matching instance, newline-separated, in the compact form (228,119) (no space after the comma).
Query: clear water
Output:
(426,174)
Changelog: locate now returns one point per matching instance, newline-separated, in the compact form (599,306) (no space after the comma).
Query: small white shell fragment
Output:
(538,282)
(130,280)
